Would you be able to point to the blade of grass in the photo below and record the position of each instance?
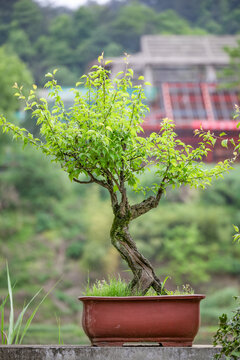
(28, 323)
(3, 334)
(18, 328)
(60, 341)
(11, 315)
(18, 324)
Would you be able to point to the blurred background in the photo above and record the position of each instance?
(53, 229)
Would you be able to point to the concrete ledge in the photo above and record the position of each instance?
(51, 352)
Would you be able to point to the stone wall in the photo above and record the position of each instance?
(106, 353)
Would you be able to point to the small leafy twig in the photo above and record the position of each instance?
(228, 336)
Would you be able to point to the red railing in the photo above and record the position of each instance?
(191, 105)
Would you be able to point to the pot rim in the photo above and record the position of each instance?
(145, 298)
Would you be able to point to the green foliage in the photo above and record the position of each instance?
(28, 17)
(31, 181)
(99, 136)
(44, 36)
(34, 239)
(188, 241)
(75, 250)
(72, 303)
(224, 192)
(169, 22)
(228, 335)
(19, 42)
(231, 74)
(221, 19)
(218, 302)
(12, 70)
(114, 287)
(60, 214)
(118, 287)
(70, 333)
(97, 141)
(236, 237)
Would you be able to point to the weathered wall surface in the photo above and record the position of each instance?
(105, 353)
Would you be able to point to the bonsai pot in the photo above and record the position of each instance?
(169, 320)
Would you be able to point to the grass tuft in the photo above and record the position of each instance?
(118, 287)
(112, 287)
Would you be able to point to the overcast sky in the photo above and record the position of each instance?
(73, 4)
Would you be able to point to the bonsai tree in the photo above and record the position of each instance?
(100, 140)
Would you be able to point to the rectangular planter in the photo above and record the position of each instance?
(169, 320)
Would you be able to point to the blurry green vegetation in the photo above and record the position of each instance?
(12, 70)
(47, 37)
(47, 227)
(48, 231)
(48, 334)
(217, 303)
(231, 74)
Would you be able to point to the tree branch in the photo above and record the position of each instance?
(151, 202)
(110, 175)
(124, 205)
(113, 195)
(110, 108)
(83, 182)
(145, 206)
(114, 199)
(99, 182)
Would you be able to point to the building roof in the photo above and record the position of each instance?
(188, 49)
(183, 49)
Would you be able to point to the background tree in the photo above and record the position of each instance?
(5, 18)
(11, 69)
(28, 17)
(231, 74)
(44, 37)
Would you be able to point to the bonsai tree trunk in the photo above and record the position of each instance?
(144, 276)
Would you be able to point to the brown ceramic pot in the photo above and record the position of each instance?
(170, 320)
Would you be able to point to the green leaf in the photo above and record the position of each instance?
(115, 188)
(100, 58)
(236, 228)
(213, 141)
(141, 77)
(49, 75)
(130, 71)
(224, 143)
(120, 73)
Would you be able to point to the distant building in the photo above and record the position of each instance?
(183, 72)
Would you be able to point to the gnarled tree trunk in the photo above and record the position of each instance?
(144, 276)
